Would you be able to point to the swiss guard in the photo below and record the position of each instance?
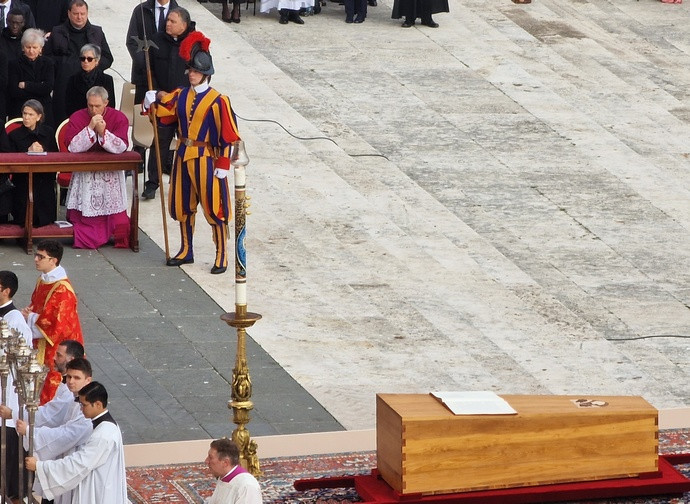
(206, 129)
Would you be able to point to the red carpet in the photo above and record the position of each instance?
(192, 483)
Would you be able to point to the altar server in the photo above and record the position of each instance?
(235, 485)
(57, 441)
(95, 473)
(52, 314)
(15, 320)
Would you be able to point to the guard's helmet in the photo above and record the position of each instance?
(194, 51)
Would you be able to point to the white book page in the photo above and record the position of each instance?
(474, 403)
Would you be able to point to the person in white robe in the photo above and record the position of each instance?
(9, 283)
(95, 473)
(56, 412)
(54, 442)
(235, 485)
(97, 201)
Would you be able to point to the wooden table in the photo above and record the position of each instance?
(54, 162)
(423, 448)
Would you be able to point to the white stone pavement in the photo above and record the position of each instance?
(532, 215)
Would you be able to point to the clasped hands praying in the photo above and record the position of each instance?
(97, 124)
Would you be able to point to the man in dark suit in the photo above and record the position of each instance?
(64, 45)
(11, 49)
(147, 15)
(7, 5)
(169, 73)
(48, 13)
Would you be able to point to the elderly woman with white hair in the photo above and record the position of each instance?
(31, 77)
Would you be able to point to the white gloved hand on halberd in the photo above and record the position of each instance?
(149, 98)
(219, 173)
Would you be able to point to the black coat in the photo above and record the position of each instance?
(146, 12)
(81, 82)
(3, 87)
(11, 46)
(48, 13)
(45, 203)
(167, 66)
(29, 21)
(38, 77)
(414, 9)
(63, 47)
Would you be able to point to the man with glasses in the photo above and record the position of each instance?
(95, 473)
(52, 315)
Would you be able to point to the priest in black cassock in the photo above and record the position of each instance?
(423, 9)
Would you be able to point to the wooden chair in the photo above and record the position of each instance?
(127, 101)
(13, 124)
(142, 129)
(63, 178)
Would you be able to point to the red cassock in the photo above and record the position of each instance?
(58, 320)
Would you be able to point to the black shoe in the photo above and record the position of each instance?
(283, 16)
(348, 20)
(294, 17)
(217, 270)
(149, 193)
(408, 23)
(372, 3)
(179, 261)
(430, 23)
(359, 20)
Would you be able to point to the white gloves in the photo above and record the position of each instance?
(219, 173)
(149, 98)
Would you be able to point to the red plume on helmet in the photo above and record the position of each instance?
(188, 44)
(194, 51)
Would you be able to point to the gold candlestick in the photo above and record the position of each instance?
(241, 319)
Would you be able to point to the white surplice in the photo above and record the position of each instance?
(15, 320)
(56, 411)
(95, 473)
(97, 193)
(52, 443)
(242, 489)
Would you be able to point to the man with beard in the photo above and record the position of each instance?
(57, 439)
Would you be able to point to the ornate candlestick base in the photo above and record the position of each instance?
(241, 403)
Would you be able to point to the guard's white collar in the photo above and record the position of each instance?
(201, 87)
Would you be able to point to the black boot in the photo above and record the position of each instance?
(235, 12)
(429, 22)
(294, 17)
(284, 16)
(225, 13)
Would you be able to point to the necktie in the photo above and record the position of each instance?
(161, 20)
(2, 16)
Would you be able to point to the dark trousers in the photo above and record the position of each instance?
(165, 136)
(355, 7)
(12, 469)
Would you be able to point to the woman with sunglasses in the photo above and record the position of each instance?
(32, 136)
(31, 76)
(89, 76)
